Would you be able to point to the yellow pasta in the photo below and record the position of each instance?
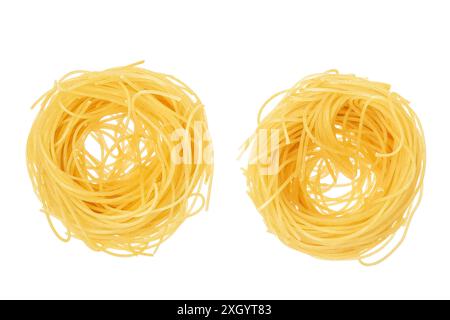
(336, 167)
(101, 158)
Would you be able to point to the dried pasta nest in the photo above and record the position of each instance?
(340, 170)
(101, 158)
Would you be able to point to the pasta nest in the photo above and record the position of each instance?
(101, 156)
(336, 167)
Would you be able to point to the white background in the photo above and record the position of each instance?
(234, 54)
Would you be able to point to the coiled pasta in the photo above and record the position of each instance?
(101, 157)
(336, 167)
